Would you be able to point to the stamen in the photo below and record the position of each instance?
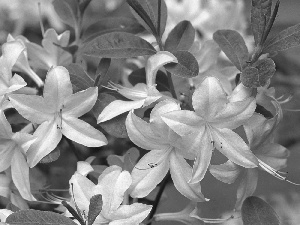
(274, 172)
(41, 19)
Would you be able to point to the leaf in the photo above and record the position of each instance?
(79, 77)
(118, 45)
(259, 73)
(67, 10)
(95, 208)
(146, 13)
(257, 211)
(75, 213)
(112, 24)
(187, 66)
(288, 38)
(52, 156)
(83, 4)
(116, 126)
(260, 16)
(181, 37)
(102, 75)
(233, 45)
(37, 217)
(139, 76)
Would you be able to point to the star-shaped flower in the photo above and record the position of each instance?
(12, 154)
(141, 94)
(57, 112)
(49, 54)
(210, 126)
(167, 153)
(112, 186)
(271, 156)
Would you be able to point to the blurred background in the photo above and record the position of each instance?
(20, 17)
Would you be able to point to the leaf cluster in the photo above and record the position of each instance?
(256, 69)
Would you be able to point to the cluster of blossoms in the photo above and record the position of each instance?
(180, 135)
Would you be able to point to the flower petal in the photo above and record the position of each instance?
(82, 190)
(141, 134)
(118, 107)
(274, 155)
(7, 148)
(16, 83)
(112, 187)
(57, 87)
(209, 98)
(155, 62)
(181, 173)
(20, 175)
(4, 185)
(81, 102)
(202, 146)
(10, 54)
(183, 122)
(227, 172)
(5, 127)
(161, 108)
(82, 132)
(48, 137)
(233, 147)
(32, 107)
(131, 214)
(149, 172)
(235, 114)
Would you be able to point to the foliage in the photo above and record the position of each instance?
(141, 102)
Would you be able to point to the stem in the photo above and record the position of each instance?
(158, 196)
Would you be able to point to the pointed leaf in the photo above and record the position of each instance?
(32, 217)
(288, 38)
(257, 211)
(102, 75)
(67, 10)
(187, 66)
(116, 126)
(181, 37)
(148, 14)
(79, 78)
(139, 76)
(259, 73)
(112, 24)
(118, 45)
(95, 208)
(260, 16)
(233, 45)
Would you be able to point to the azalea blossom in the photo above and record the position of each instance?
(166, 153)
(22, 64)
(271, 156)
(141, 94)
(8, 83)
(210, 126)
(57, 113)
(50, 53)
(12, 151)
(112, 186)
